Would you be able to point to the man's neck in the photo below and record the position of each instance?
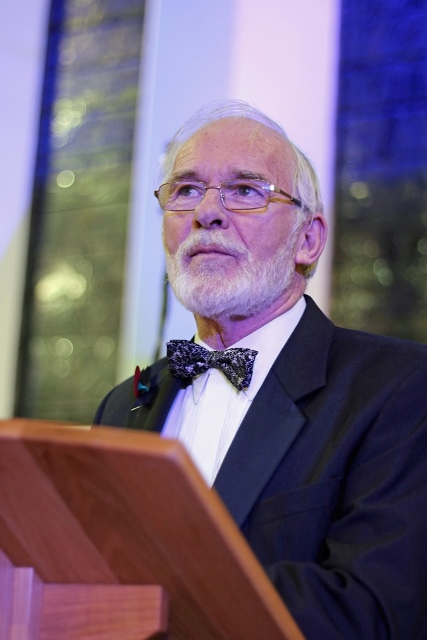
(222, 332)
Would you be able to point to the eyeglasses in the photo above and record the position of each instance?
(236, 195)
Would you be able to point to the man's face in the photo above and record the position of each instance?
(232, 263)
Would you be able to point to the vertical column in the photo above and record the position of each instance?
(22, 49)
(285, 61)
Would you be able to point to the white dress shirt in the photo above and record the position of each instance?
(206, 415)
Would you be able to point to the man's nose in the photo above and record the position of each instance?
(211, 212)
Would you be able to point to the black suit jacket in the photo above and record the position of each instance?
(326, 476)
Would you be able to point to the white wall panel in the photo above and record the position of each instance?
(23, 27)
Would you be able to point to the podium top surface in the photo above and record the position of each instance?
(100, 505)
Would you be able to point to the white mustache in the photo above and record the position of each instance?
(213, 239)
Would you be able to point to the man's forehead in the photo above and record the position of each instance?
(239, 143)
(245, 130)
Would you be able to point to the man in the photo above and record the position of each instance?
(321, 456)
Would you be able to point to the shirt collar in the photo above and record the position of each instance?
(268, 340)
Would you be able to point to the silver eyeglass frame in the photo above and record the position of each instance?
(271, 189)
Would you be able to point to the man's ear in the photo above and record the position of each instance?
(312, 240)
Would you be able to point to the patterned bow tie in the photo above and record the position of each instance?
(187, 359)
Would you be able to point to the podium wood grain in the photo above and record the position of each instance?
(109, 506)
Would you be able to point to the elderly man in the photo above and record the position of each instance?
(314, 436)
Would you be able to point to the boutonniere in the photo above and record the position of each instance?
(143, 385)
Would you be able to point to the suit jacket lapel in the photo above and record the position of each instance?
(264, 437)
(258, 447)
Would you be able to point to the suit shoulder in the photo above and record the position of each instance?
(379, 343)
(377, 358)
(114, 408)
(350, 347)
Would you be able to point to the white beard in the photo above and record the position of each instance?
(214, 293)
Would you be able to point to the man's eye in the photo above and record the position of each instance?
(187, 191)
(245, 190)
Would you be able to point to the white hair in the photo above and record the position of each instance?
(306, 183)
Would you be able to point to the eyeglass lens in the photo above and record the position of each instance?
(236, 195)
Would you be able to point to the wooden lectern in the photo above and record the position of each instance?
(112, 534)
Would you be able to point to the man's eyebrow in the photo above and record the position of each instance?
(243, 174)
(185, 175)
(234, 174)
